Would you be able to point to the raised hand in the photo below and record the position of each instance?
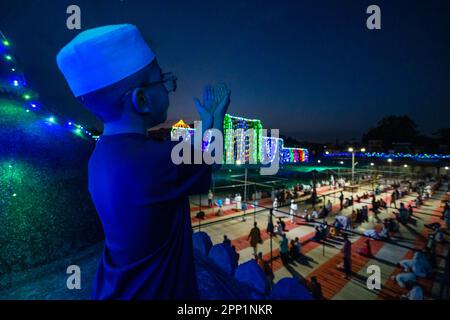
(214, 105)
(206, 107)
(222, 100)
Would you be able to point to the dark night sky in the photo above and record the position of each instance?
(310, 68)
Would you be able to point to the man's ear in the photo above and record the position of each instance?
(140, 101)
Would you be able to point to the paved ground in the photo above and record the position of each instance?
(49, 282)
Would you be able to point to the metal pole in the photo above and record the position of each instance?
(245, 186)
(353, 167)
(271, 255)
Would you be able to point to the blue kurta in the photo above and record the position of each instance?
(142, 200)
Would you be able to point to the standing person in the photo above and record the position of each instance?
(255, 237)
(210, 198)
(141, 196)
(347, 256)
(341, 200)
(284, 249)
(393, 199)
(270, 226)
(293, 210)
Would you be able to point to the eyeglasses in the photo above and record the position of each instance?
(168, 80)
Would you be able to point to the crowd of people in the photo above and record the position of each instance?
(290, 250)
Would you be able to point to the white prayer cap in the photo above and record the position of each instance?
(99, 57)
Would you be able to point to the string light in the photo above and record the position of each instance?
(27, 96)
(400, 155)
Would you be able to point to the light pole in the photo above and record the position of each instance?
(353, 162)
(390, 168)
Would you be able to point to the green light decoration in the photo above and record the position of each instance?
(29, 95)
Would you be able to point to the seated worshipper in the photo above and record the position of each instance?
(322, 212)
(415, 291)
(329, 206)
(346, 203)
(219, 204)
(437, 233)
(337, 227)
(318, 234)
(379, 232)
(418, 266)
(140, 194)
(314, 214)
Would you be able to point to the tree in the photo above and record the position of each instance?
(392, 129)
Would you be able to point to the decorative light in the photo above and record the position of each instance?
(33, 105)
(318, 161)
(350, 149)
(14, 195)
(446, 168)
(389, 160)
(51, 119)
(16, 83)
(405, 165)
(8, 57)
(327, 152)
(26, 96)
(13, 69)
(342, 162)
(363, 149)
(372, 164)
(6, 43)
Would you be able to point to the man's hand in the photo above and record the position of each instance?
(206, 109)
(214, 106)
(222, 95)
